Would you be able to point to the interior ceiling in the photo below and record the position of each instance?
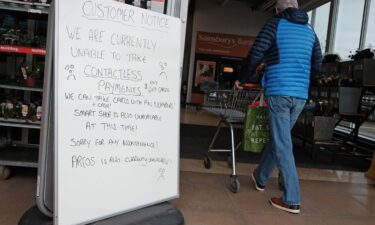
(268, 5)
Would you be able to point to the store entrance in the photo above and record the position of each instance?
(229, 72)
(212, 73)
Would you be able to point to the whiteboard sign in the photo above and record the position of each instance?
(117, 109)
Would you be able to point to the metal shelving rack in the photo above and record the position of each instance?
(22, 6)
(19, 123)
(20, 153)
(13, 86)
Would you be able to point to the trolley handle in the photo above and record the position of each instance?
(250, 86)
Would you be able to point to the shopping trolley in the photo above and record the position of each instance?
(231, 106)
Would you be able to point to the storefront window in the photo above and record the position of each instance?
(321, 24)
(370, 36)
(154, 5)
(348, 31)
(309, 13)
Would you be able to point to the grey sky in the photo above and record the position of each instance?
(348, 26)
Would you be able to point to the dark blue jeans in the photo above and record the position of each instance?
(283, 112)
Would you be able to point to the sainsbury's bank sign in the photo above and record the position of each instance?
(223, 44)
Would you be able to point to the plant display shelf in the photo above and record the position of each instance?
(19, 123)
(20, 152)
(15, 156)
(30, 7)
(17, 86)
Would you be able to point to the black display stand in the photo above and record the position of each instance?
(160, 214)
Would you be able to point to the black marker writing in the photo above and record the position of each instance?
(69, 96)
(90, 126)
(161, 173)
(79, 161)
(136, 143)
(87, 53)
(97, 11)
(96, 35)
(134, 57)
(84, 113)
(106, 88)
(80, 142)
(132, 42)
(109, 126)
(74, 34)
(116, 74)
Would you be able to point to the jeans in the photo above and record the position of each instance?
(283, 112)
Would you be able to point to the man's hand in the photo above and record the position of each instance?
(237, 85)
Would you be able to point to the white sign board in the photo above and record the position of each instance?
(117, 91)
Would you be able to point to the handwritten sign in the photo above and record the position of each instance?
(117, 98)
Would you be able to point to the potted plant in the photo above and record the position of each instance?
(40, 41)
(26, 40)
(8, 110)
(12, 36)
(17, 110)
(32, 112)
(2, 107)
(29, 74)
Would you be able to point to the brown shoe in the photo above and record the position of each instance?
(279, 203)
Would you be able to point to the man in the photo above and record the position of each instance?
(291, 51)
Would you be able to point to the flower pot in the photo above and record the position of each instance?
(33, 118)
(4, 172)
(30, 82)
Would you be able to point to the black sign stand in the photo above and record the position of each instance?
(163, 213)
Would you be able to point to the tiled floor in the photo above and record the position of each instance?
(336, 198)
(17, 195)
(200, 117)
(328, 197)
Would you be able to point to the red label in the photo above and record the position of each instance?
(22, 50)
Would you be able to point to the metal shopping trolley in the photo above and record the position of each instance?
(231, 106)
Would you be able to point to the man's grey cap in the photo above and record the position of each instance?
(284, 4)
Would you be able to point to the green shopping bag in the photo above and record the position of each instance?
(256, 129)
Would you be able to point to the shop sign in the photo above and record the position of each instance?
(223, 44)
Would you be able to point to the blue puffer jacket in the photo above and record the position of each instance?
(291, 51)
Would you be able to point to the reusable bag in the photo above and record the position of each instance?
(256, 129)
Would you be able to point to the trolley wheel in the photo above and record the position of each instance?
(4, 172)
(234, 184)
(207, 161)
